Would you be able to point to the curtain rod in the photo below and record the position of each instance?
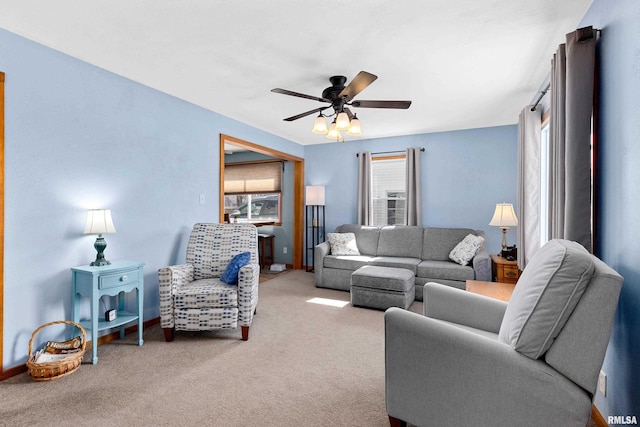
(542, 94)
(390, 152)
(582, 34)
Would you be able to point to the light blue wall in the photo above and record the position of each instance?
(283, 233)
(78, 137)
(619, 203)
(464, 174)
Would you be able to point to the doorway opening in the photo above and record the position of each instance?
(298, 188)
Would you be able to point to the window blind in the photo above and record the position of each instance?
(253, 178)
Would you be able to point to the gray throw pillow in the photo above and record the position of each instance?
(343, 244)
(544, 297)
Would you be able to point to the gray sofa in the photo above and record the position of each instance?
(424, 251)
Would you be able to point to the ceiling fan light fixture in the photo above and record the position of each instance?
(339, 97)
(354, 126)
(320, 125)
(333, 133)
(342, 121)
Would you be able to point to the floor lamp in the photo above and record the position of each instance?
(314, 221)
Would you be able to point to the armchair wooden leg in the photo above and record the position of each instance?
(168, 334)
(245, 333)
(395, 422)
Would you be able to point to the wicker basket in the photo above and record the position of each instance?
(48, 371)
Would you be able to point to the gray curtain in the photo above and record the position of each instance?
(528, 210)
(572, 82)
(364, 188)
(557, 144)
(413, 205)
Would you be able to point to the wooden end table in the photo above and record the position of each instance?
(497, 290)
(265, 256)
(504, 270)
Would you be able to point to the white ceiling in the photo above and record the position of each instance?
(463, 63)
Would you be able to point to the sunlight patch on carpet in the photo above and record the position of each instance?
(329, 302)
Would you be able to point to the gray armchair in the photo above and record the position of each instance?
(473, 360)
(192, 296)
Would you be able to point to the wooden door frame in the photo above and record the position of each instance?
(2, 373)
(298, 189)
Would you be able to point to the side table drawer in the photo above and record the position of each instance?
(510, 271)
(115, 280)
(504, 271)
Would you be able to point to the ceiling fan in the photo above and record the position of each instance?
(341, 98)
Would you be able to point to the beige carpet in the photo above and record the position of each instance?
(305, 364)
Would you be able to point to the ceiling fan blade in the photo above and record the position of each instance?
(357, 85)
(308, 113)
(403, 105)
(299, 95)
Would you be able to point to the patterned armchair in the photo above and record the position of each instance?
(192, 296)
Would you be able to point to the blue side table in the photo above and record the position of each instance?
(118, 278)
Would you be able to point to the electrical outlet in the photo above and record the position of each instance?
(602, 383)
(284, 250)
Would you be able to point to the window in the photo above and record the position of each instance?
(395, 207)
(253, 207)
(252, 191)
(388, 193)
(544, 184)
(546, 169)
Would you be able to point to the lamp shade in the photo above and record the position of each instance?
(333, 132)
(504, 216)
(342, 121)
(354, 127)
(314, 195)
(320, 125)
(99, 222)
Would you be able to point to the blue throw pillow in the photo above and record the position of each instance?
(230, 275)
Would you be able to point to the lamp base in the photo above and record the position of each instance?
(504, 238)
(100, 246)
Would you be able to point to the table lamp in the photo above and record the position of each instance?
(99, 222)
(504, 217)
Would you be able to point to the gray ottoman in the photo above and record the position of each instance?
(382, 287)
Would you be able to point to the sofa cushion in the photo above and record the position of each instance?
(397, 262)
(343, 244)
(402, 241)
(347, 262)
(448, 270)
(366, 237)
(546, 294)
(464, 251)
(438, 242)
